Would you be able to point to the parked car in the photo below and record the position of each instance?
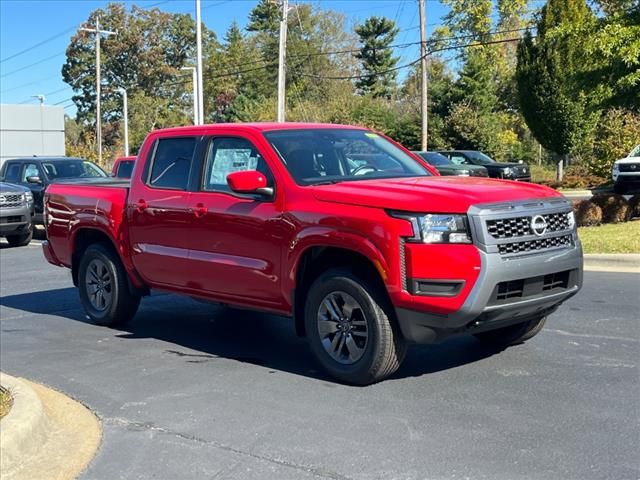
(447, 167)
(16, 211)
(122, 167)
(36, 173)
(504, 170)
(367, 255)
(626, 172)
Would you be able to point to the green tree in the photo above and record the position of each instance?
(376, 35)
(557, 110)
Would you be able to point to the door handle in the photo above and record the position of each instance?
(199, 210)
(141, 205)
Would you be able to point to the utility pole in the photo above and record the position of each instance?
(41, 100)
(125, 115)
(424, 84)
(200, 115)
(98, 33)
(282, 56)
(194, 81)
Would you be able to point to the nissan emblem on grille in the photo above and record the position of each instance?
(538, 225)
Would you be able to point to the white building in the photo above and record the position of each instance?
(28, 130)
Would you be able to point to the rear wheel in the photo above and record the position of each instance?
(20, 240)
(104, 287)
(350, 330)
(513, 334)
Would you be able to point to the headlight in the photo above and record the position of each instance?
(507, 172)
(437, 228)
(616, 167)
(463, 173)
(479, 173)
(28, 197)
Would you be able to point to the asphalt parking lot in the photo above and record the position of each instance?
(193, 391)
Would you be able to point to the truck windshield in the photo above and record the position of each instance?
(315, 156)
(72, 169)
(481, 158)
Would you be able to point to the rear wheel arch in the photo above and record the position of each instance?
(315, 260)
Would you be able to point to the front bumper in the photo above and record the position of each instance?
(15, 220)
(508, 276)
(480, 312)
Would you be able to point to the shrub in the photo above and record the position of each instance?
(634, 207)
(614, 207)
(587, 213)
(615, 136)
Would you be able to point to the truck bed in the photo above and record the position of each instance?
(95, 203)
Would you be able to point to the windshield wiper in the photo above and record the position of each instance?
(326, 182)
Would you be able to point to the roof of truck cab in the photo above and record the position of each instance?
(257, 127)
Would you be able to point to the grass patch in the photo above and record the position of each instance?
(5, 402)
(611, 238)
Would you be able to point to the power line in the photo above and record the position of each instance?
(28, 49)
(32, 65)
(410, 64)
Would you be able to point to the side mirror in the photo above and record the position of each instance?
(34, 179)
(249, 181)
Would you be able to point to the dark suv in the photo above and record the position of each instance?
(505, 170)
(36, 173)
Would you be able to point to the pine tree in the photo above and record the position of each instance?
(376, 35)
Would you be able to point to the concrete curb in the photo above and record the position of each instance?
(619, 262)
(24, 429)
(46, 434)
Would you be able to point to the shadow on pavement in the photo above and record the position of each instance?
(208, 332)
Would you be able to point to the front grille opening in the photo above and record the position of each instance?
(535, 245)
(521, 226)
(556, 280)
(12, 219)
(532, 287)
(512, 289)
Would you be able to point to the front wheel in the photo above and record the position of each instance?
(20, 240)
(513, 334)
(104, 287)
(350, 330)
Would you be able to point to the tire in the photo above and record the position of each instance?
(365, 346)
(619, 188)
(20, 240)
(513, 334)
(104, 287)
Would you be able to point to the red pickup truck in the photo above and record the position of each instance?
(358, 240)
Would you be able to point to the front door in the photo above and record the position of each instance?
(160, 213)
(236, 240)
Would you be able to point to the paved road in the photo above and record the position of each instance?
(191, 391)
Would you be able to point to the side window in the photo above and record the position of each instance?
(228, 155)
(172, 163)
(30, 170)
(12, 173)
(459, 160)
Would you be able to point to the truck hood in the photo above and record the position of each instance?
(436, 194)
(11, 188)
(628, 160)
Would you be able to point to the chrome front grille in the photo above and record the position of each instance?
(8, 200)
(536, 245)
(521, 226)
(525, 227)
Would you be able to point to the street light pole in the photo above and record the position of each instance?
(425, 79)
(194, 81)
(125, 115)
(282, 57)
(98, 33)
(200, 115)
(41, 100)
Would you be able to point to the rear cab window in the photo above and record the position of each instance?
(171, 163)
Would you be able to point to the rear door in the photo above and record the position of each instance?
(159, 211)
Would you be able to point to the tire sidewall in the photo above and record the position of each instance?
(107, 316)
(333, 281)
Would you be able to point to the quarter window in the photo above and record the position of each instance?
(172, 163)
(13, 172)
(229, 155)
